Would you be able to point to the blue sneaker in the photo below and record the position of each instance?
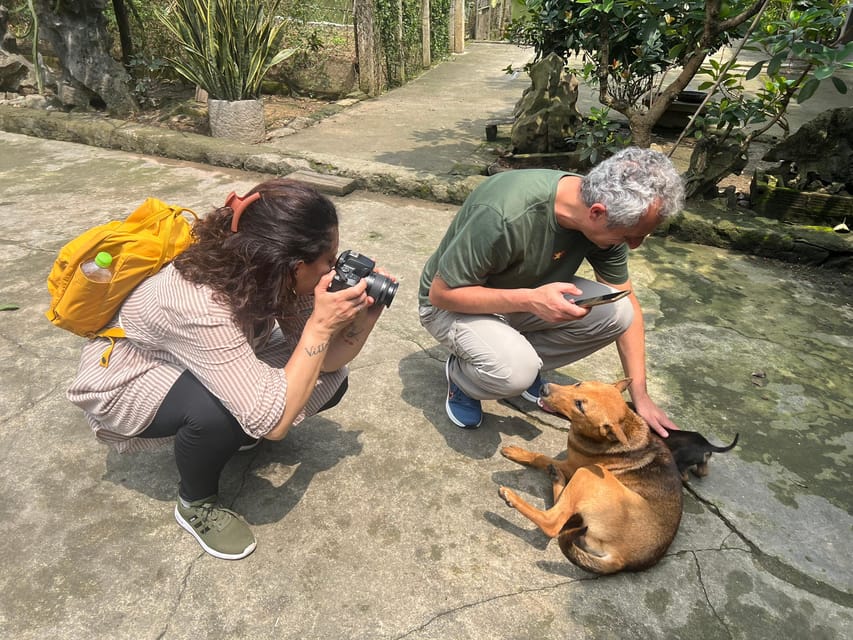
(531, 394)
(463, 411)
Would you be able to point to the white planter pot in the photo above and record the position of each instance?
(237, 120)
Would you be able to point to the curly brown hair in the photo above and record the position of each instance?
(254, 270)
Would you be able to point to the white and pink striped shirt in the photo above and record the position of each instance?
(173, 325)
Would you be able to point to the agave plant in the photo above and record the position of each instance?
(226, 47)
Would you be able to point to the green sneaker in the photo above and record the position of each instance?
(220, 531)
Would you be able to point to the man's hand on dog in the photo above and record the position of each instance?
(654, 416)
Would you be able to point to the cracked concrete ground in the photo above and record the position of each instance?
(380, 519)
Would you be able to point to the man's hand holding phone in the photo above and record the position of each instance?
(594, 301)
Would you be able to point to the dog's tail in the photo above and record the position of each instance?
(728, 448)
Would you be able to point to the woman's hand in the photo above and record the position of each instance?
(347, 343)
(336, 309)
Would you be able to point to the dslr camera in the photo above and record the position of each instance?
(351, 267)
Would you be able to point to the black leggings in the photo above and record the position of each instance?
(206, 434)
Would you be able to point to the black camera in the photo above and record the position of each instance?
(352, 267)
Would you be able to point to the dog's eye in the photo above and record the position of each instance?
(579, 405)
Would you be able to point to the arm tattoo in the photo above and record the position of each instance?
(317, 349)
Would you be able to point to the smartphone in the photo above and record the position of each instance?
(594, 301)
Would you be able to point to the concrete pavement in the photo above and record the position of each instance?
(380, 519)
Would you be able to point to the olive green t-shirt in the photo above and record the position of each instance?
(506, 236)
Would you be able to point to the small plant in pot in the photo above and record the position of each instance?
(226, 47)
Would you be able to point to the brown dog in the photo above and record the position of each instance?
(617, 496)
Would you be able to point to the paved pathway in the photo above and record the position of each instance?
(381, 519)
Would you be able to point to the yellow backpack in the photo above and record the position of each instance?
(140, 246)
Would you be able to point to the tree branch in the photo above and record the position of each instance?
(742, 17)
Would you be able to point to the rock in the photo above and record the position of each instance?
(546, 114)
(15, 72)
(319, 75)
(821, 150)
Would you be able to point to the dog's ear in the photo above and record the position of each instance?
(623, 384)
(613, 432)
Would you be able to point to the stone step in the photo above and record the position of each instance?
(330, 185)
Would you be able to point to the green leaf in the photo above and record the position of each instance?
(823, 73)
(840, 85)
(754, 70)
(9, 307)
(807, 90)
(776, 62)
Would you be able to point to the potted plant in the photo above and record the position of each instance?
(226, 47)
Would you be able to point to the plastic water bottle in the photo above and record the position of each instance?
(98, 270)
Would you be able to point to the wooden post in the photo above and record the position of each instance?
(368, 48)
(426, 36)
(457, 26)
(400, 43)
(506, 16)
(476, 30)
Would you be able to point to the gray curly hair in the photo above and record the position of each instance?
(629, 182)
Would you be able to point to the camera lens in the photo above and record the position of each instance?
(381, 289)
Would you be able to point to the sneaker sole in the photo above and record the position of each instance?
(217, 554)
(447, 402)
(530, 397)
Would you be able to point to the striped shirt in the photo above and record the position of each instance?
(173, 325)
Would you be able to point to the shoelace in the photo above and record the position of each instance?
(210, 517)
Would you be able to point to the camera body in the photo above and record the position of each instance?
(351, 267)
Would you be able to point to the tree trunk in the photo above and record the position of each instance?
(426, 36)
(78, 36)
(401, 47)
(123, 24)
(368, 48)
(457, 26)
(641, 130)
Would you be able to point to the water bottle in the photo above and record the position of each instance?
(98, 270)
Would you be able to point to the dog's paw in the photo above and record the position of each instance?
(516, 454)
(507, 495)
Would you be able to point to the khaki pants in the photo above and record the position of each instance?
(498, 356)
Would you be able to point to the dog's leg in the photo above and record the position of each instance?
(549, 521)
(527, 458)
(701, 469)
(558, 481)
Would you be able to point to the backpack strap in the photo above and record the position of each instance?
(111, 334)
(114, 333)
(140, 220)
